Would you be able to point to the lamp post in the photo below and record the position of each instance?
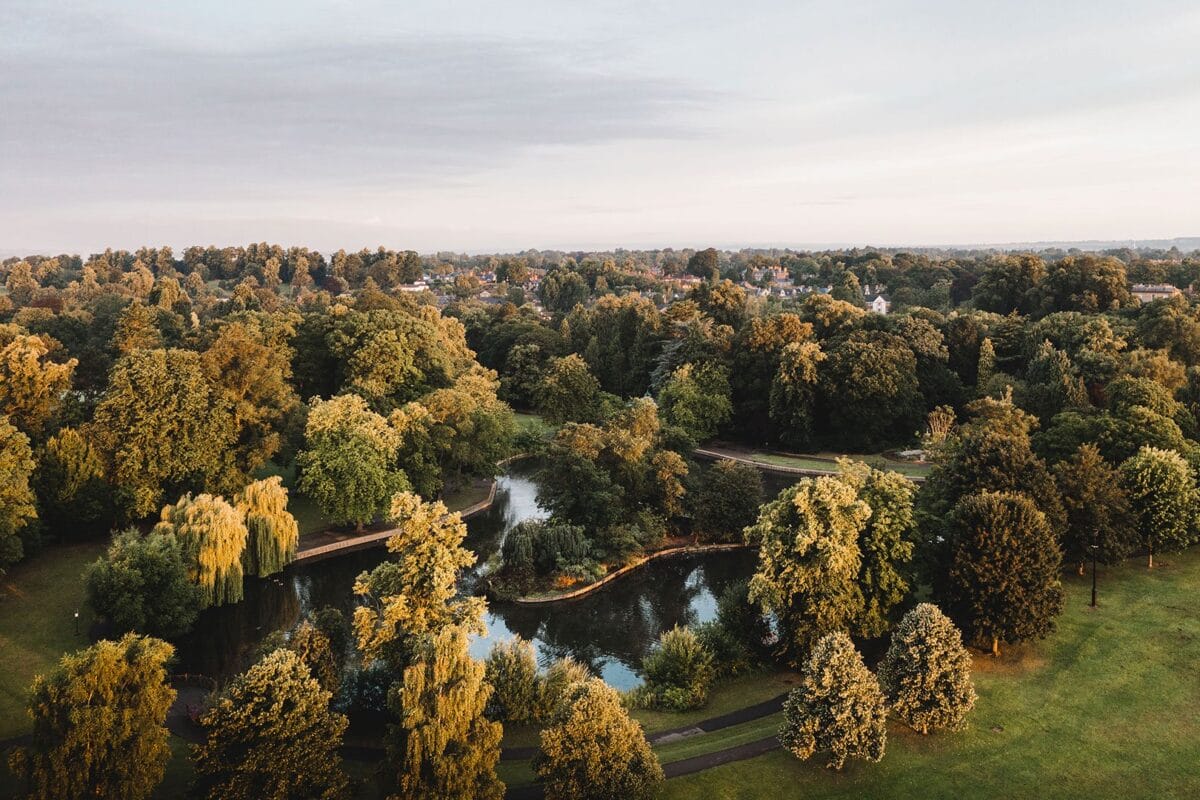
(1095, 548)
(76, 623)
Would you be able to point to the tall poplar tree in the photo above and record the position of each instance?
(16, 498)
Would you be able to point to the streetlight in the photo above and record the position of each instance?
(76, 623)
(1095, 548)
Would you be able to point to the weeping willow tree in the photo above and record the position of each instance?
(213, 537)
(443, 745)
(273, 532)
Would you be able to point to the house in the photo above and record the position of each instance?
(879, 305)
(1147, 292)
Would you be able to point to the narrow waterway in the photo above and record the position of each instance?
(610, 630)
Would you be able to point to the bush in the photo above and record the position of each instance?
(141, 584)
(546, 548)
(926, 673)
(679, 672)
(511, 669)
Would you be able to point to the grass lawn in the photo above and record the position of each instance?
(1109, 706)
(308, 515)
(534, 422)
(38, 600)
(879, 462)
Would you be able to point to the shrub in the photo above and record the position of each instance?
(511, 669)
(838, 707)
(679, 671)
(926, 673)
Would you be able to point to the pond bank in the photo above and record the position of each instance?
(584, 591)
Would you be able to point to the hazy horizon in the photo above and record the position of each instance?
(480, 127)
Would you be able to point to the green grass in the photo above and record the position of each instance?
(308, 515)
(38, 600)
(803, 462)
(727, 696)
(534, 422)
(1109, 706)
(721, 739)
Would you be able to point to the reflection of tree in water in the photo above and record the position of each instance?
(623, 620)
(225, 637)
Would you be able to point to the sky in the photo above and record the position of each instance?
(499, 126)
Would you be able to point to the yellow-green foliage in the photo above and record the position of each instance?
(926, 673)
(560, 676)
(837, 709)
(418, 592)
(98, 723)
(16, 498)
(273, 532)
(444, 746)
(213, 536)
(271, 736)
(31, 385)
(313, 646)
(592, 750)
(512, 671)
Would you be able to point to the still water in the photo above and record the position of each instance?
(610, 630)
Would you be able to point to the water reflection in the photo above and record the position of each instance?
(610, 630)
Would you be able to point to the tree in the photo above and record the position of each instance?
(886, 542)
(511, 670)
(347, 464)
(809, 562)
(16, 498)
(142, 585)
(31, 385)
(417, 594)
(1052, 384)
(838, 707)
(705, 264)
(316, 650)
(926, 672)
(679, 672)
(1097, 509)
(793, 392)
(249, 364)
(870, 390)
(212, 535)
(161, 428)
(99, 723)
(568, 392)
(72, 494)
(1010, 283)
(271, 735)
(1162, 495)
(1003, 584)
(592, 750)
(697, 400)
(443, 746)
(728, 501)
(272, 531)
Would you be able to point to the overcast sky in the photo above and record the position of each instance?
(506, 125)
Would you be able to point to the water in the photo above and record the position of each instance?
(610, 630)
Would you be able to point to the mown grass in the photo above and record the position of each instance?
(38, 601)
(1109, 706)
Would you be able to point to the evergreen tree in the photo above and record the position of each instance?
(987, 366)
(838, 707)
(592, 750)
(273, 532)
(212, 535)
(99, 724)
(443, 746)
(926, 673)
(1162, 494)
(1003, 584)
(271, 736)
(142, 585)
(1097, 509)
(809, 562)
(347, 466)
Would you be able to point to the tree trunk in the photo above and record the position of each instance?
(1082, 568)
(358, 527)
(996, 646)
(1151, 558)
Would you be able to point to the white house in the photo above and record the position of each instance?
(879, 305)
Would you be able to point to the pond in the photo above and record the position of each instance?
(610, 630)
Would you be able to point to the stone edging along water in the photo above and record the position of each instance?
(583, 591)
